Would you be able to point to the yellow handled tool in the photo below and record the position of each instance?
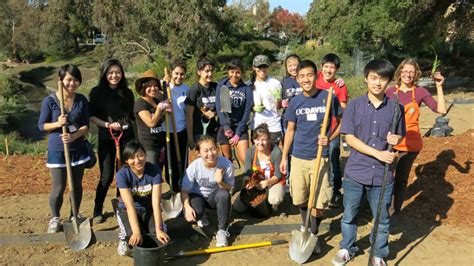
(230, 248)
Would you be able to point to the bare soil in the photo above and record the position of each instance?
(435, 226)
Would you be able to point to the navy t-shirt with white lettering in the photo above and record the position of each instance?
(307, 112)
(141, 188)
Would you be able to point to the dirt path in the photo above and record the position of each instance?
(421, 242)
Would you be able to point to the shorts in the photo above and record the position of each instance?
(300, 183)
(223, 139)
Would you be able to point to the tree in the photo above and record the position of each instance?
(384, 25)
(178, 29)
(286, 25)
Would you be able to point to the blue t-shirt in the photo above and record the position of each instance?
(290, 88)
(141, 188)
(308, 113)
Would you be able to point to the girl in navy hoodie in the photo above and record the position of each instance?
(233, 130)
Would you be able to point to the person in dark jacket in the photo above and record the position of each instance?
(111, 109)
(233, 129)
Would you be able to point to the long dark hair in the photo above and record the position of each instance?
(122, 88)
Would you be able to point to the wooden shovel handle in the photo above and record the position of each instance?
(67, 155)
(315, 179)
(173, 124)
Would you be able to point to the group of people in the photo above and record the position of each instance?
(210, 116)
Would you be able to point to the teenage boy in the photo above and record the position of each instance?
(327, 79)
(366, 123)
(305, 115)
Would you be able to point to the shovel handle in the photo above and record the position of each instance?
(315, 179)
(230, 248)
(173, 124)
(67, 157)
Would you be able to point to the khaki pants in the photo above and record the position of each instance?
(302, 171)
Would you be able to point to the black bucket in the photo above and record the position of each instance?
(150, 252)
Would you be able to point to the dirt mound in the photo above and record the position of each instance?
(441, 183)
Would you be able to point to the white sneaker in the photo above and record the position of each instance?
(221, 238)
(203, 222)
(341, 258)
(124, 249)
(54, 225)
(376, 261)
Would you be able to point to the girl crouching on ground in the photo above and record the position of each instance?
(262, 164)
(206, 184)
(139, 211)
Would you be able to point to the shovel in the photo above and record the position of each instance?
(303, 242)
(77, 231)
(173, 206)
(378, 215)
(226, 108)
(118, 163)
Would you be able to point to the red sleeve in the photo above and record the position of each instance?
(342, 97)
(425, 97)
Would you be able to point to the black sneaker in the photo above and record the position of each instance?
(336, 200)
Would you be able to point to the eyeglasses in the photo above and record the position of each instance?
(411, 73)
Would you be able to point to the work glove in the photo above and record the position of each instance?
(259, 108)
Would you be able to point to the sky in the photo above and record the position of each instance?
(299, 6)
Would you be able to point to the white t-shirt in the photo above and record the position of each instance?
(263, 94)
(201, 180)
(178, 95)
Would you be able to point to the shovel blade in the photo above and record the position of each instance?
(302, 245)
(171, 208)
(78, 239)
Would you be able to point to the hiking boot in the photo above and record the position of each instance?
(376, 261)
(341, 258)
(317, 248)
(221, 238)
(124, 249)
(54, 225)
(98, 219)
(203, 222)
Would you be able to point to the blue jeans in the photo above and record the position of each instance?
(335, 175)
(353, 195)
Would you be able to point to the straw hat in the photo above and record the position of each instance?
(147, 75)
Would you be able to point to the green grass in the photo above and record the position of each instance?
(19, 146)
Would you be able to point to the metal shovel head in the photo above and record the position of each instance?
(78, 239)
(224, 98)
(172, 207)
(302, 245)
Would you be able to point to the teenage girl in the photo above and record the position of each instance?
(267, 97)
(150, 109)
(234, 126)
(201, 115)
(111, 109)
(76, 121)
(207, 184)
(178, 97)
(139, 210)
(411, 96)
